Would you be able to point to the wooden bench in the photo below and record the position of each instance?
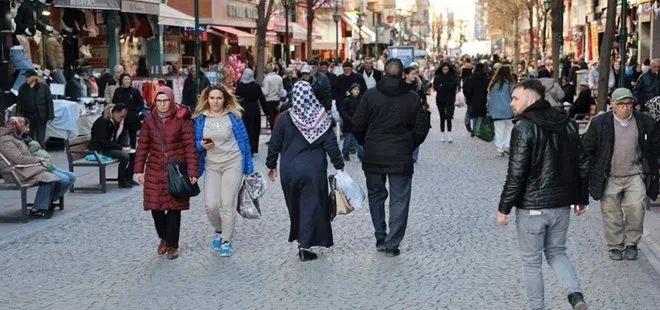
(14, 183)
(76, 149)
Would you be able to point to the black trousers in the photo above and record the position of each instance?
(272, 112)
(38, 132)
(446, 110)
(125, 160)
(400, 190)
(168, 226)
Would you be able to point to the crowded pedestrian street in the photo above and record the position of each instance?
(453, 256)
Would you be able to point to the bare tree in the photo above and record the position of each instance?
(505, 16)
(264, 11)
(311, 6)
(531, 4)
(557, 34)
(605, 60)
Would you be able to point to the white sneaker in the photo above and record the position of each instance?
(449, 138)
(442, 137)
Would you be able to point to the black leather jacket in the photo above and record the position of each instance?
(599, 145)
(547, 165)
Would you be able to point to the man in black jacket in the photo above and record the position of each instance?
(110, 138)
(623, 147)
(547, 173)
(35, 103)
(344, 82)
(647, 86)
(390, 123)
(370, 75)
(321, 92)
(190, 92)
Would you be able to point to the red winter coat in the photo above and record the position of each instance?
(179, 140)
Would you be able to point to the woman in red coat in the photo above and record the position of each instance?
(172, 122)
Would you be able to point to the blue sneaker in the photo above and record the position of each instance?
(217, 241)
(225, 249)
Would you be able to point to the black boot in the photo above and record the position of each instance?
(577, 301)
(380, 245)
(306, 255)
(468, 127)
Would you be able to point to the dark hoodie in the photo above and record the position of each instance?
(475, 90)
(547, 166)
(390, 123)
(445, 85)
(347, 109)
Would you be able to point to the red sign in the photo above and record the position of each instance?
(389, 19)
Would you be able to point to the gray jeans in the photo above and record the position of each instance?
(539, 234)
(400, 188)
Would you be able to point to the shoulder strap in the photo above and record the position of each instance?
(161, 139)
(5, 160)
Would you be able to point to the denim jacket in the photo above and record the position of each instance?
(499, 101)
(241, 139)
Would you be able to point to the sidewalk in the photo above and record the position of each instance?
(651, 238)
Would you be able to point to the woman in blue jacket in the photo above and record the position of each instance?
(225, 155)
(499, 107)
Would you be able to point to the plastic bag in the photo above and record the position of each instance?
(460, 99)
(350, 189)
(248, 207)
(335, 112)
(255, 184)
(484, 128)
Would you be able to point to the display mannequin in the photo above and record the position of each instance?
(27, 23)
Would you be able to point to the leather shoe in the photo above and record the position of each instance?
(127, 185)
(631, 253)
(616, 254)
(306, 255)
(380, 245)
(162, 247)
(172, 253)
(392, 252)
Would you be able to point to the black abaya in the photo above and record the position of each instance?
(303, 174)
(251, 97)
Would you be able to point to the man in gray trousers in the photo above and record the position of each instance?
(547, 173)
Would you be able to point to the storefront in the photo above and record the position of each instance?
(174, 22)
(141, 37)
(325, 46)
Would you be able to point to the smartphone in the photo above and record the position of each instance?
(207, 140)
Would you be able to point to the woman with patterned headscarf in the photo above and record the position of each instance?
(303, 138)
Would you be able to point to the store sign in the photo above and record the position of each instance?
(139, 7)
(242, 11)
(89, 4)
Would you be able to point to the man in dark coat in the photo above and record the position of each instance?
(324, 67)
(345, 81)
(623, 147)
(319, 76)
(35, 103)
(370, 75)
(647, 86)
(110, 138)
(321, 92)
(390, 123)
(189, 95)
(547, 173)
(476, 92)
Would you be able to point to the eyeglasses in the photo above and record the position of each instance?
(622, 104)
(158, 101)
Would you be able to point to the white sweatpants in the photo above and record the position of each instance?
(221, 189)
(503, 130)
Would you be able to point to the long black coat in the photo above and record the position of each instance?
(343, 84)
(189, 96)
(390, 123)
(43, 112)
(599, 146)
(476, 94)
(346, 110)
(251, 97)
(303, 174)
(134, 102)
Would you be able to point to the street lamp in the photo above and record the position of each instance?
(287, 4)
(360, 23)
(336, 17)
(546, 8)
(623, 38)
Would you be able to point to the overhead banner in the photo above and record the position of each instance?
(113, 5)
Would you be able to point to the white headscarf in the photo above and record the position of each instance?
(307, 113)
(247, 76)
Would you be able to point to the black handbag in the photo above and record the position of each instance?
(179, 184)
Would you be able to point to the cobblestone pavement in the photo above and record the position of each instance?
(454, 255)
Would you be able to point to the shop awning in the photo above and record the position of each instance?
(327, 30)
(243, 38)
(149, 7)
(113, 5)
(172, 17)
(368, 35)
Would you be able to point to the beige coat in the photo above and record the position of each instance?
(55, 53)
(17, 153)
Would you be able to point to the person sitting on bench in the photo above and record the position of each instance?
(110, 138)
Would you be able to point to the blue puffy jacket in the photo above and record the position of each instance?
(241, 139)
(499, 101)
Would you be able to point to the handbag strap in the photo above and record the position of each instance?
(5, 160)
(161, 139)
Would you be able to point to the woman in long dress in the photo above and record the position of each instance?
(303, 138)
(251, 97)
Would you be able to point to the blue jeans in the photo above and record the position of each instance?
(400, 188)
(415, 154)
(21, 64)
(540, 234)
(351, 143)
(44, 196)
(66, 181)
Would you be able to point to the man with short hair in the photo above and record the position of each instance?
(623, 147)
(547, 174)
(370, 75)
(321, 77)
(113, 83)
(35, 103)
(647, 86)
(324, 67)
(390, 123)
(273, 89)
(345, 81)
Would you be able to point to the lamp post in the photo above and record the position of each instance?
(198, 48)
(360, 23)
(623, 38)
(336, 17)
(287, 4)
(546, 9)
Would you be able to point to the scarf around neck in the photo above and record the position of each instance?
(307, 113)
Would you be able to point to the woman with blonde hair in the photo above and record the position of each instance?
(224, 152)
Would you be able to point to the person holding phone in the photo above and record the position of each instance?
(110, 138)
(224, 153)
